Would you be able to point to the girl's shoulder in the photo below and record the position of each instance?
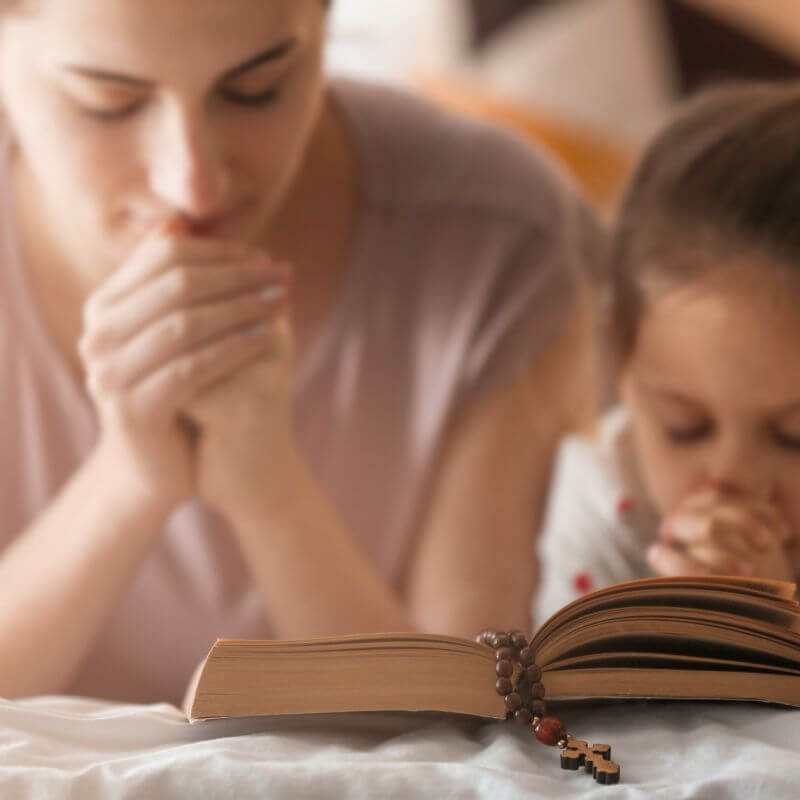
(599, 472)
(416, 152)
(600, 454)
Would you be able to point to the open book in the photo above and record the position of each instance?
(689, 638)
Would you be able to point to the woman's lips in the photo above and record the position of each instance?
(218, 225)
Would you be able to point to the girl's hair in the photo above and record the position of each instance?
(718, 187)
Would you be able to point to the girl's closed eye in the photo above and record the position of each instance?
(688, 434)
(787, 439)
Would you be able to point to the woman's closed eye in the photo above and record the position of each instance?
(112, 113)
(123, 111)
(253, 99)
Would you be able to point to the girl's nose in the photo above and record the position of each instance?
(740, 468)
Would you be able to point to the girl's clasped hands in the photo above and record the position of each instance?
(718, 530)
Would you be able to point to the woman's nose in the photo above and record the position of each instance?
(188, 172)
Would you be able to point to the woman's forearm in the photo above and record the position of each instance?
(313, 577)
(62, 577)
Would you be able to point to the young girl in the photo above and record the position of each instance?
(698, 471)
(262, 337)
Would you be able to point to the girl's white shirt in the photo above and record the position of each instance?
(599, 522)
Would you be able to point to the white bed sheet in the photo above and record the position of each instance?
(57, 747)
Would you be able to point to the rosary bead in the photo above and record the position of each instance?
(523, 716)
(550, 731)
(503, 686)
(537, 691)
(518, 640)
(538, 708)
(506, 653)
(483, 637)
(513, 701)
(524, 691)
(504, 668)
(502, 640)
(532, 674)
(526, 657)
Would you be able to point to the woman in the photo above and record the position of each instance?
(263, 346)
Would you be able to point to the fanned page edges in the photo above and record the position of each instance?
(720, 638)
(690, 638)
(375, 672)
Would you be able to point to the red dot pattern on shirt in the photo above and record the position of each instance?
(582, 583)
(624, 505)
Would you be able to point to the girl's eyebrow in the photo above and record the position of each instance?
(669, 394)
(273, 54)
(792, 408)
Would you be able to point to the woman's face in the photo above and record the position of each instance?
(127, 112)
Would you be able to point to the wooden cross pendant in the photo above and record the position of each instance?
(595, 759)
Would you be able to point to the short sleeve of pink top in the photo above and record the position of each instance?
(462, 270)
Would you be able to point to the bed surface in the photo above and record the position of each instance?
(57, 747)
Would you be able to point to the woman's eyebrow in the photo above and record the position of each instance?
(273, 54)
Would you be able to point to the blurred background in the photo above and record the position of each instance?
(590, 79)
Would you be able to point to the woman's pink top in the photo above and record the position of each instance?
(463, 270)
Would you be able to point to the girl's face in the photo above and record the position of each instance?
(127, 112)
(713, 388)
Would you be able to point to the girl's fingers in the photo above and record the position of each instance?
(701, 560)
(720, 561)
(766, 520)
(175, 384)
(178, 287)
(670, 562)
(182, 332)
(727, 528)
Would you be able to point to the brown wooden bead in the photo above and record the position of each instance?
(538, 708)
(537, 691)
(526, 657)
(519, 640)
(532, 674)
(513, 701)
(524, 691)
(506, 653)
(502, 640)
(549, 731)
(523, 717)
(503, 686)
(504, 668)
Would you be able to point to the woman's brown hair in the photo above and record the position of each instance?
(720, 184)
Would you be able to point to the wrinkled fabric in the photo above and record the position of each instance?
(75, 749)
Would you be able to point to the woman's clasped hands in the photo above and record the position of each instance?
(187, 350)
